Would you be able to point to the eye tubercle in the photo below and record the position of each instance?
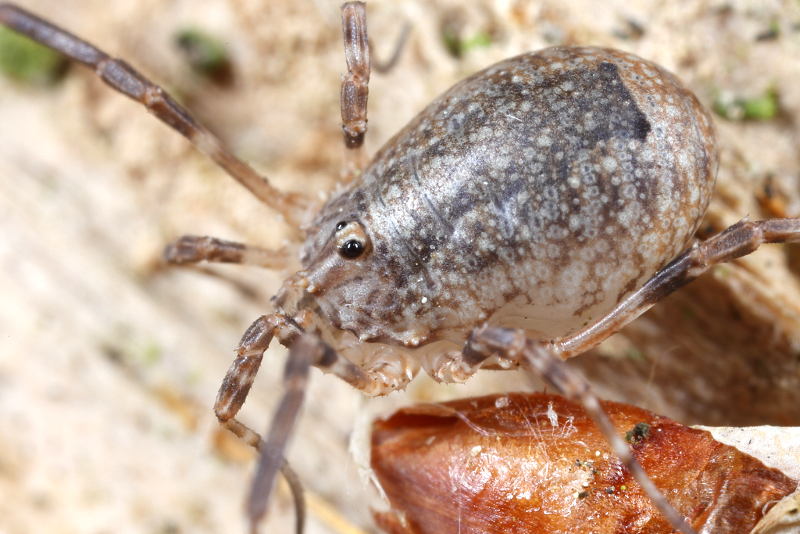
(352, 241)
(352, 249)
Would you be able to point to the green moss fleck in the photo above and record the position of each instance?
(26, 61)
(151, 353)
(206, 55)
(458, 46)
(759, 108)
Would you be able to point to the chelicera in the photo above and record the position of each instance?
(524, 216)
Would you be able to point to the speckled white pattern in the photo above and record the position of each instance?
(537, 193)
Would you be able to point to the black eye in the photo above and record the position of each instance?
(351, 249)
(340, 225)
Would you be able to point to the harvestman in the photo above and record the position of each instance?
(306, 330)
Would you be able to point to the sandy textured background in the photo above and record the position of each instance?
(109, 362)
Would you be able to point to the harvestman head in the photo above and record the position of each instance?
(344, 312)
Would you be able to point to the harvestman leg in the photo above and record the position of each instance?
(355, 86)
(547, 358)
(256, 340)
(194, 249)
(739, 240)
(383, 67)
(125, 79)
(540, 358)
(305, 351)
(235, 388)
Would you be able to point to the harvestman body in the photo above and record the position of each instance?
(520, 219)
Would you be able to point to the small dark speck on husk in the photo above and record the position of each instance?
(639, 433)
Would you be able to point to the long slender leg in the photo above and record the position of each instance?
(255, 341)
(125, 79)
(302, 355)
(235, 387)
(194, 249)
(512, 348)
(514, 345)
(355, 85)
(239, 378)
(253, 439)
(739, 240)
(383, 67)
(305, 350)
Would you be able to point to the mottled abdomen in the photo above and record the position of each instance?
(539, 192)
